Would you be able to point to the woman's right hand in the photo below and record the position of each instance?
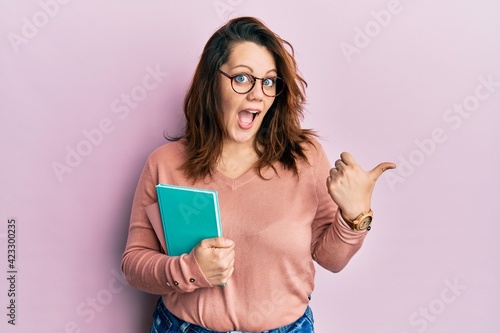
(216, 259)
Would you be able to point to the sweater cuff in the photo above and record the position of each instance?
(345, 232)
(185, 275)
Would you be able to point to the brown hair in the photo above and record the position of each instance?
(280, 136)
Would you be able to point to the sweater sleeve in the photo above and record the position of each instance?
(334, 243)
(144, 264)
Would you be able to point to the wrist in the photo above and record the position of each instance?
(353, 213)
(361, 222)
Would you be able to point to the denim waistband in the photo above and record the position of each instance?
(162, 312)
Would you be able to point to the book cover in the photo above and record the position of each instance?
(188, 216)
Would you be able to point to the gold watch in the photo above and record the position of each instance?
(361, 222)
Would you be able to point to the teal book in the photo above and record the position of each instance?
(188, 216)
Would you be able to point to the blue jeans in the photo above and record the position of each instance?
(166, 322)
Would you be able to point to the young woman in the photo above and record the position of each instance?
(282, 205)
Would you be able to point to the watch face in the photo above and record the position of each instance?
(365, 223)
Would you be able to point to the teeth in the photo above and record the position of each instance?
(254, 113)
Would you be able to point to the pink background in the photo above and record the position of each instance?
(386, 81)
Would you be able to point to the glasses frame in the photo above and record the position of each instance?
(231, 77)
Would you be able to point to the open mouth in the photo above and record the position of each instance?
(247, 117)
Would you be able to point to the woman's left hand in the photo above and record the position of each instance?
(351, 187)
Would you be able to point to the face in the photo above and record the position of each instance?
(243, 113)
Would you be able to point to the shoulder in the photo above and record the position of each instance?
(170, 149)
(171, 153)
(314, 152)
(317, 164)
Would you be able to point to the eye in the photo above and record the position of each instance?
(269, 82)
(242, 78)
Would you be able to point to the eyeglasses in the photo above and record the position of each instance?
(243, 83)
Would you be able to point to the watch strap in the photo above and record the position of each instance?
(361, 222)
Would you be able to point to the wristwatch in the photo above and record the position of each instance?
(361, 222)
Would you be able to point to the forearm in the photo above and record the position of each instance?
(156, 273)
(337, 244)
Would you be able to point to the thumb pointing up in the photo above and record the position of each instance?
(351, 187)
(379, 169)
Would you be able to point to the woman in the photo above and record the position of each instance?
(243, 139)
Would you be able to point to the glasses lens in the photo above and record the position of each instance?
(242, 83)
(272, 86)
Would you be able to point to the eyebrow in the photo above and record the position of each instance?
(251, 70)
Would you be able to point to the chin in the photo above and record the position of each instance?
(244, 140)
(243, 137)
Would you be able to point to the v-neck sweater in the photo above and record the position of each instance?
(280, 223)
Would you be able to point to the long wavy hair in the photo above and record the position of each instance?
(280, 137)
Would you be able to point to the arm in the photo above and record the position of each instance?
(347, 193)
(144, 265)
(334, 243)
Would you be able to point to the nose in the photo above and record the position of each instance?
(257, 93)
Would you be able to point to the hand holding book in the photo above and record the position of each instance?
(215, 256)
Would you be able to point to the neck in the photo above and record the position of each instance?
(237, 158)
(233, 149)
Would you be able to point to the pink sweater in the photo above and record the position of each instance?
(279, 226)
